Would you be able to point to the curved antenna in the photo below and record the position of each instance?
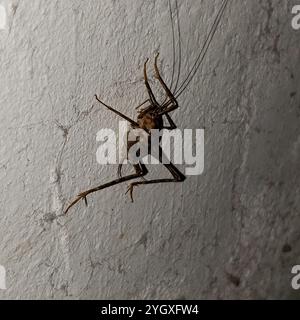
(174, 48)
(179, 45)
(173, 44)
(203, 51)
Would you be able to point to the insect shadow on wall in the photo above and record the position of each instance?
(154, 114)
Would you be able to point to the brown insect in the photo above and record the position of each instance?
(154, 114)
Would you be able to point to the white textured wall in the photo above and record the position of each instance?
(241, 217)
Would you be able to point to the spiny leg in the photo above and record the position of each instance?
(154, 103)
(172, 99)
(140, 169)
(120, 172)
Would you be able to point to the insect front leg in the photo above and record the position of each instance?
(154, 103)
(135, 124)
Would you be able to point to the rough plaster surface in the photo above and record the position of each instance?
(232, 232)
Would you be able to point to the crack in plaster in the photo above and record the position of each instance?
(58, 199)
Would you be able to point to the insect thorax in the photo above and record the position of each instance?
(149, 121)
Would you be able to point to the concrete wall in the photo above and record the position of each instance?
(232, 232)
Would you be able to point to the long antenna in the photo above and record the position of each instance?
(203, 51)
(179, 45)
(173, 44)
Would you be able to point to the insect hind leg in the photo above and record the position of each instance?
(140, 171)
(178, 176)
